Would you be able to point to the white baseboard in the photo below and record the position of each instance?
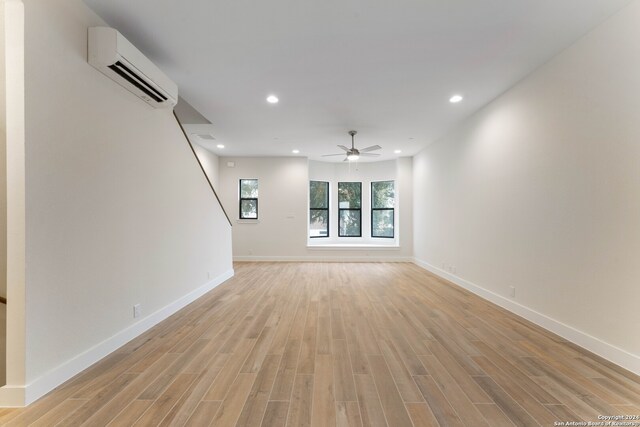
(22, 396)
(603, 349)
(308, 258)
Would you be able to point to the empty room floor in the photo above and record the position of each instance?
(339, 344)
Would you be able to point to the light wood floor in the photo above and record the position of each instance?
(339, 344)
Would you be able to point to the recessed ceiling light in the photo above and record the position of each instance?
(455, 99)
(295, 151)
(272, 99)
(220, 145)
(397, 151)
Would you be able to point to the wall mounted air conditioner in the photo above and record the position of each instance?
(119, 60)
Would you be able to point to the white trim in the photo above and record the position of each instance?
(62, 373)
(309, 258)
(603, 349)
(351, 247)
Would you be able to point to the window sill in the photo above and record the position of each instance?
(350, 247)
(247, 221)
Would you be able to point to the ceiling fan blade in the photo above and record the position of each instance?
(368, 154)
(329, 155)
(343, 147)
(372, 148)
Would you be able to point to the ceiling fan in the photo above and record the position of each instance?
(353, 153)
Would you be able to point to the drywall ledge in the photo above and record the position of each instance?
(610, 352)
(67, 370)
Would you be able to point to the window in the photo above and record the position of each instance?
(382, 209)
(349, 209)
(248, 199)
(318, 209)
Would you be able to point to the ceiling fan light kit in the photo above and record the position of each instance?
(353, 153)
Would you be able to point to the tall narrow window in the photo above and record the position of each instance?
(318, 209)
(349, 209)
(248, 199)
(382, 209)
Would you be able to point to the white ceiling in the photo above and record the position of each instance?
(385, 68)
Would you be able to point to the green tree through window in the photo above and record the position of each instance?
(382, 209)
(349, 209)
(248, 199)
(318, 209)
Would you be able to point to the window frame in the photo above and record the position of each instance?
(393, 211)
(349, 209)
(241, 199)
(327, 209)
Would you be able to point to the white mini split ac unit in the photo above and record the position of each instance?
(119, 60)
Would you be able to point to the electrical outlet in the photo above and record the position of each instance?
(136, 310)
(512, 291)
(455, 270)
(209, 275)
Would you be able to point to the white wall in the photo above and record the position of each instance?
(118, 212)
(281, 231)
(209, 162)
(3, 162)
(3, 201)
(541, 191)
(13, 393)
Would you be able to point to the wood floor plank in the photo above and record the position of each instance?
(392, 404)
(107, 393)
(159, 409)
(499, 363)
(306, 361)
(287, 371)
(462, 377)
(561, 412)
(407, 387)
(369, 401)
(256, 403)
(301, 400)
(110, 409)
(129, 415)
(60, 412)
(231, 407)
(189, 401)
(339, 343)
(520, 392)
(421, 415)
(345, 389)
(467, 412)
(506, 403)
(276, 414)
(324, 411)
(440, 406)
(348, 414)
(221, 385)
(494, 416)
(204, 413)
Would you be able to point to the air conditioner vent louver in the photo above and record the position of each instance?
(132, 78)
(118, 59)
